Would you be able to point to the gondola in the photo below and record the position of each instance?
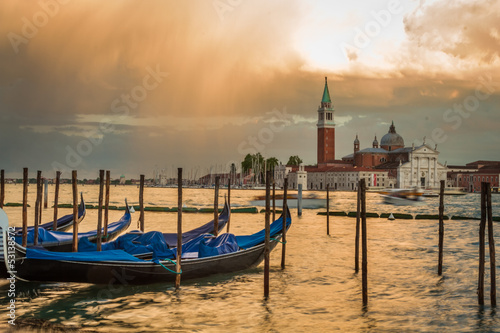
(63, 223)
(63, 241)
(119, 267)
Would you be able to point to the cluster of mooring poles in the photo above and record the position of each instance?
(486, 217)
(42, 188)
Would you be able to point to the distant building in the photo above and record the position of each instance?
(338, 178)
(122, 180)
(471, 175)
(326, 129)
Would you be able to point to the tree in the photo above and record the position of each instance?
(294, 160)
(247, 163)
(255, 163)
(271, 162)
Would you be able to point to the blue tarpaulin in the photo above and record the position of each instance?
(225, 243)
(133, 243)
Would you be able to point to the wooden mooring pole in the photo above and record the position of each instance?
(285, 216)
(37, 206)
(358, 223)
(74, 184)
(106, 205)
(45, 192)
(216, 206)
(364, 250)
(56, 199)
(25, 206)
(2, 188)
(274, 200)
(40, 201)
(141, 204)
(99, 213)
(441, 228)
(482, 227)
(299, 200)
(491, 243)
(179, 229)
(267, 236)
(229, 199)
(328, 209)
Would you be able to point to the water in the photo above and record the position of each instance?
(317, 292)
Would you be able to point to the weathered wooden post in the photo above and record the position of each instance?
(56, 200)
(99, 213)
(299, 200)
(229, 199)
(267, 250)
(274, 200)
(364, 247)
(37, 206)
(45, 193)
(491, 243)
(328, 209)
(40, 201)
(141, 203)
(441, 228)
(285, 210)
(216, 206)
(358, 223)
(74, 183)
(106, 204)
(25, 206)
(482, 227)
(2, 188)
(179, 229)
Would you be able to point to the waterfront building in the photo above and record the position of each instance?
(471, 175)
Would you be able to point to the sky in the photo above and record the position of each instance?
(137, 86)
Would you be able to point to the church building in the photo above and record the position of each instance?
(389, 164)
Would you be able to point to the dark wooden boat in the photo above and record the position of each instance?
(118, 267)
(63, 223)
(63, 241)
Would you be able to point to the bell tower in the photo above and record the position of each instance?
(326, 129)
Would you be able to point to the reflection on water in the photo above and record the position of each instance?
(318, 290)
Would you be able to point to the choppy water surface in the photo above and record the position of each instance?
(317, 292)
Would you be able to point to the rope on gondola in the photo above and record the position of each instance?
(168, 269)
(277, 240)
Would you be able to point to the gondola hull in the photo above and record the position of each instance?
(134, 273)
(63, 223)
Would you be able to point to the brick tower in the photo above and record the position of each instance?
(326, 129)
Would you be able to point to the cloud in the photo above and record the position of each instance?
(224, 77)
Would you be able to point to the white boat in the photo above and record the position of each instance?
(429, 193)
(454, 191)
(402, 197)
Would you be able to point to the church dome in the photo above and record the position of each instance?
(392, 139)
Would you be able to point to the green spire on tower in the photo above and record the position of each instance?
(326, 94)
